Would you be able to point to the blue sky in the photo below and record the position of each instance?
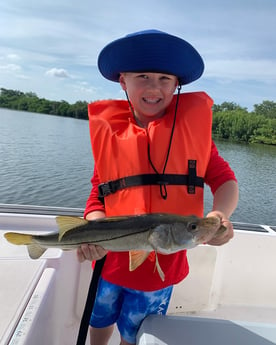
(51, 47)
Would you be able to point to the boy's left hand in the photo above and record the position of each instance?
(227, 235)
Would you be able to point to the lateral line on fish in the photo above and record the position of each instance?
(67, 225)
(68, 234)
(105, 239)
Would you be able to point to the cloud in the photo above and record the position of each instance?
(10, 67)
(242, 69)
(58, 73)
(13, 57)
(235, 40)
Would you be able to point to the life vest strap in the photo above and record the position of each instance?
(191, 181)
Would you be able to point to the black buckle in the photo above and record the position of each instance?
(105, 188)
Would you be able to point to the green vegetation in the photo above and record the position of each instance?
(29, 101)
(230, 121)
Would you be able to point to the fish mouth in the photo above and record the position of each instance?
(206, 230)
(212, 223)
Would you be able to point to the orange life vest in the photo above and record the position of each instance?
(120, 149)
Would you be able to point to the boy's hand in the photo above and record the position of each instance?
(90, 252)
(227, 235)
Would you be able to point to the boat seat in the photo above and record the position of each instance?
(182, 330)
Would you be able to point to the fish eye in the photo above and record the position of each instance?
(193, 226)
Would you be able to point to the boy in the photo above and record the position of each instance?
(152, 153)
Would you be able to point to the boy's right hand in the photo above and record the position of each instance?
(90, 252)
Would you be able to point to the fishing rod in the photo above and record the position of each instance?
(90, 300)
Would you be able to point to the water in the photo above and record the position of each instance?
(46, 160)
(254, 166)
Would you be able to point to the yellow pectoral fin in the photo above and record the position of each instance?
(136, 258)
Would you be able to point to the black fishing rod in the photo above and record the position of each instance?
(90, 300)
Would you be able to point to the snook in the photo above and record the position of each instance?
(159, 232)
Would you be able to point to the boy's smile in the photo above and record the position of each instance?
(151, 100)
(149, 93)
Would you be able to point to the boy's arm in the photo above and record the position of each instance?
(223, 183)
(94, 209)
(93, 203)
(224, 203)
(226, 198)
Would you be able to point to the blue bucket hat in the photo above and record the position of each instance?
(151, 51)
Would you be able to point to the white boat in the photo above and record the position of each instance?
(229, 296)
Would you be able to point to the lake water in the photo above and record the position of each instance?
(46, 160)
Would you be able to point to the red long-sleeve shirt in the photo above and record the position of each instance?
(218, 172)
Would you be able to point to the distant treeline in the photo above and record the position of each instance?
(230, 121)
(29, 101)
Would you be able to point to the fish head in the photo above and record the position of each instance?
(184, 234)
(170, 238)
(206, 229)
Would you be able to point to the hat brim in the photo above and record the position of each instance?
(151, 52)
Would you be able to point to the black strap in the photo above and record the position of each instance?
(191, 181)
(90, 302)
(192, 178)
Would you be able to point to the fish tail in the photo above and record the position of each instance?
(34, 249)
(19, 239)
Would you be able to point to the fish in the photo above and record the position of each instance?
(140, 235)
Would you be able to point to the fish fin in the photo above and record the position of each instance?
(110, 219)
(67, 223)
(136, 258)
(158, 267)
(18, 238)
(35, 250)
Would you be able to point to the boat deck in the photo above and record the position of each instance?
(234, 285)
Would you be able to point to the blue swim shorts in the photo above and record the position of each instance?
(127, 307)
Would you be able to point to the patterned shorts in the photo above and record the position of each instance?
(127, 307)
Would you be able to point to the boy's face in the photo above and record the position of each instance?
(149, 93)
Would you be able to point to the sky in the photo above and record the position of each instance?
(50, 47)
